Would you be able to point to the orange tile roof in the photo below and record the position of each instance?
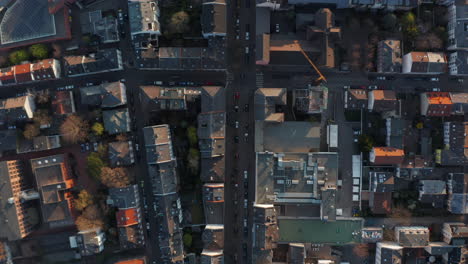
(388, 152)
(127, 217)
(23, 68)
(6, 75)
(439, 98)
(132, 261)
(384, 95)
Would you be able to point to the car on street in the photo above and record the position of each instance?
(277, 28)
(246, 107)
(247, 35)
(236, 139)
(356, 132)
(381, 78)
(346, 87)
(147, 226)
(236, 108)
(436, 89)
(246, 50)
(236, 95)
(246, 203)
(434, 79)
(237, 124)
(245, 175)
(372, 87)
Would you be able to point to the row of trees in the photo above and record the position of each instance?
(36, 51)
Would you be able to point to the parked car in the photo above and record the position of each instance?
(346, 87)
(236, 95)
(436, 89)
(372, 87)
(245, 174)
(246, 107)
(434, 79)
(237, 124)
(381, 78)
(277, 28)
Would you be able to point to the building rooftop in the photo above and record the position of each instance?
(26, 22)
(164, 98)
(103, 60)
(412, 236)
(106, 95)
(163, 177)
(143, 15)
(381, 181)
(294, 177)
(63, 103)
(54, 182)
(380, 202)
(390, 253)
(312, 230)
(212, 98)
(389, 57)
(158, 144)
(121, 153)
(212, 169)
(132, 261)
(302, 137)
(125, 197)
(213, 201)
(131, 237)
(386, 155)
(7, 140)
(266, 102)
(356, 99)
(95, 24)
(127, 217)
(213, 237)
(116, 121)
(213, 20)
(458, 37)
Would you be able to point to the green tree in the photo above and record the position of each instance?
(39, 51)
(193, 158)
(408, 19)
(192, 136)
(98, 129)
(366, 143)
(31, 131)
(95, 165)
(16, 57)
(187, 240)
(84, 199)
(389, 22)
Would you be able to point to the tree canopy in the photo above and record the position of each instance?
(42, 117)
(74, 129)
(31, 131)
(389, 21)
(115, 177)
(179, 22)
(192, 136)
(187, 238)
(366, 143)
(193, 158)
(16, 57)
(84, 199)
(39, 51)
(98, 129)
(95, 165)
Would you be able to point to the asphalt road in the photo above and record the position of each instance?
(240, 157)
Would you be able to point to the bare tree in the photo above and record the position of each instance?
(74, 129)
(115, 177)
(83, 223)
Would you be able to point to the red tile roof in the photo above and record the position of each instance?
(127, 217)
(388, 155)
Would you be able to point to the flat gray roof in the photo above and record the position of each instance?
(301, 137)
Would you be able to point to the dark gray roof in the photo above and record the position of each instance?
(457, 183)
(381, 181)
(101, 61)
(213, 201)
(212, 98)
(458, 203)
(121, 153)
(262, 20)
(7, 140)
(213, 237)
(163, 177)
(212, 169)
(460, 26)
(126, 197)
(213, 19)
(116, 121)
(105, 95)
(458, 62)
(392, 254)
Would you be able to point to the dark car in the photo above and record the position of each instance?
(246, 107)
(236, 139)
